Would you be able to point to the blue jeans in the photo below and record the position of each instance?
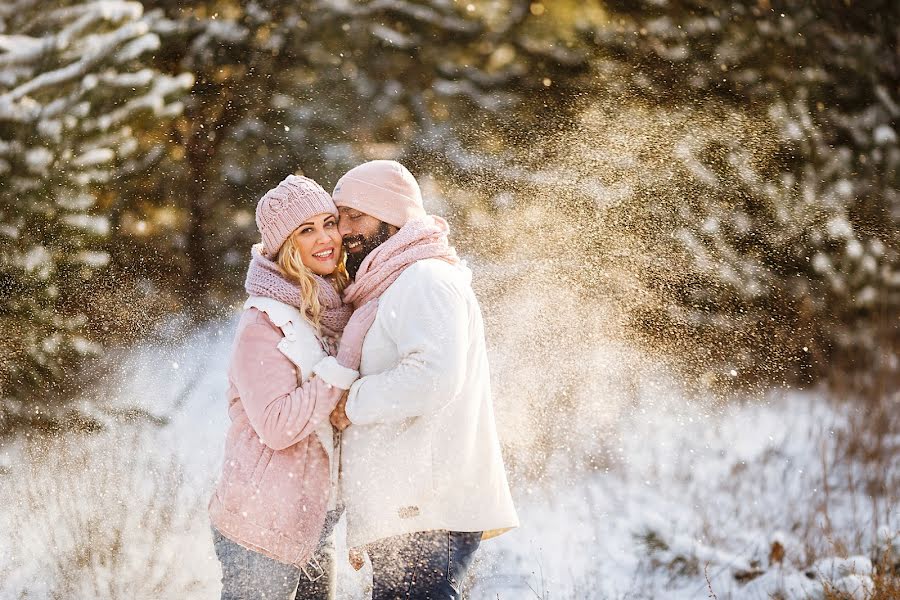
(248, 575)
(428, 565)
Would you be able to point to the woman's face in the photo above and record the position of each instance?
(319, 243)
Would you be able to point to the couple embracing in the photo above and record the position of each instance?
(358, 385)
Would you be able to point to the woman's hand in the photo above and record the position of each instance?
(350, 351)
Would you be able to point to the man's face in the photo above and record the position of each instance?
(361, 233)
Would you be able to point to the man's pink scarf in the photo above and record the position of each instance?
(265, 278)
(421, 238)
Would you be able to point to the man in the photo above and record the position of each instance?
(423, 480)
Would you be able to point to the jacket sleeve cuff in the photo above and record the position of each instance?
(331, 372)
(360, 413)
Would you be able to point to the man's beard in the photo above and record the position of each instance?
(355, 259)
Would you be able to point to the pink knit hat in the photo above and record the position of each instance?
(283, 208)
(384, 189)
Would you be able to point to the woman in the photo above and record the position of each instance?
(269, 508)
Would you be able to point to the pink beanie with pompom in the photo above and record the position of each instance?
(288, 205)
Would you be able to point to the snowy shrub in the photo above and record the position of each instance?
(102, 518)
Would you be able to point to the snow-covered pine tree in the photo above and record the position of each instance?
(733, 176)
(74, 98)
(783, 198)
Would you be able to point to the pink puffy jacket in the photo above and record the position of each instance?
(275, 482)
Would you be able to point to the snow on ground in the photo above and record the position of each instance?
(682, 490)
(697, 494)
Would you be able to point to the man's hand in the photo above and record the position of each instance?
(357, 558)
(339, 415)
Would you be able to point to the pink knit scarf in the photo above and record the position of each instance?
(421, 238)
(265, 278)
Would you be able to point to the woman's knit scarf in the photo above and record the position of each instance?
(265, 278)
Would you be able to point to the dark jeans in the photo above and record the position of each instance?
(428, 565)
(248, 575)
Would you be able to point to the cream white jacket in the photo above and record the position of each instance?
(422, 451)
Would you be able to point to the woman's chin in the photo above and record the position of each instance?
(322, 270)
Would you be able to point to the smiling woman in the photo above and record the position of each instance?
(273, 509)
(315, 244)
(314, 248)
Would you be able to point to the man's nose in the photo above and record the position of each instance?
(343, 228)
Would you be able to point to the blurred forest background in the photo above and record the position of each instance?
(724, 172)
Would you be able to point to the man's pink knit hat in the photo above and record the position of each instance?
(286, 206)
(384, 189)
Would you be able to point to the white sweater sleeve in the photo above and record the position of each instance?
(429, 323)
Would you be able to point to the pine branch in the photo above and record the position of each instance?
(331, 9)
(93, 56)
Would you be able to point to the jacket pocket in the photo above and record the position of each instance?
(415, 459)
(242, 454)
(262, 463)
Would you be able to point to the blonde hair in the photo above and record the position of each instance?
(291, 264)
